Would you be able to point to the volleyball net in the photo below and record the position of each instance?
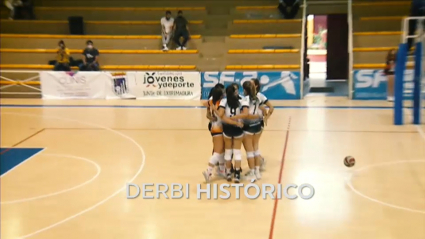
(410, 93)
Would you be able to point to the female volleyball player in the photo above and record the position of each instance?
(389, 72)
(216, 129)
(232, 130)
(266, 114)
(252, 129)
(210, 116)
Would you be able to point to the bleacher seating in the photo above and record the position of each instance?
(225, 35)
(376, 30)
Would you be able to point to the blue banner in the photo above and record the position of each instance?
(372, 85)
(276, 85)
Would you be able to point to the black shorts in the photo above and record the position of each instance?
(210, 128)
(231, 131)
(253, 128)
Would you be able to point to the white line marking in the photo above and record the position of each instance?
(22, 162)
(418, 128)
(421, 132)
(65, 190)
(378, 201)
(104, 200)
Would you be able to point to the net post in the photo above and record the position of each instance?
(417, 84)
(399, 80)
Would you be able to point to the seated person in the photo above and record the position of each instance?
(181, 29)
(90, 59)
(62, 58)
(167, 23)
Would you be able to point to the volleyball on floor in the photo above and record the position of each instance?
(349, 161)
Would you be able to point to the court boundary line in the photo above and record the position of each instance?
(184, 106)
(102, 201)
(22, 141)
(26, 160)
(99, 170)
(282, 162)
(349, 183)
(421, 132)
(271, 130)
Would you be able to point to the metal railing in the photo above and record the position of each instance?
(418, 40)
(303, 47)
(405, 28)
(350, 49)
(419, 37)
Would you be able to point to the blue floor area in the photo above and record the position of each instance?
(12, 157)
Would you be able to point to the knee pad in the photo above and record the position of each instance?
(214, 158)
(250, 155)
(257, 153)
(221, 159)
(237, 154)
(228, 154)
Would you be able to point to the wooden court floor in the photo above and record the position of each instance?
(74, 187)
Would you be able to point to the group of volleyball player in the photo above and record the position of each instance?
(236, 120)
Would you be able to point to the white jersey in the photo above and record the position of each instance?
(229, 112)
(254, 109)
(263, 100)
(167, 25)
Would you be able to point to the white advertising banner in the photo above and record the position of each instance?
(73, 85)
(165, 85)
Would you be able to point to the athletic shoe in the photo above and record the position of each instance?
(390, 99)
(232, 170)
(237, 176)
(165, 48)
(257, 174)
(184, 48)
(250, 176)
(207, 176)
(179, 48)
(263, 165)
(229, 177)
(221, 173)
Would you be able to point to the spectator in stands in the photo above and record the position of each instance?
(24, 9)
(62, 59)
(90, 59)
(417, 9)
(181, 29)
(167, 23)
(389, 72)
(11, 4)
(289, 8)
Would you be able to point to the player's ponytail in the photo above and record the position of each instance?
(249, 90)
(232, 97)
(257, 84)
(211, 93)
